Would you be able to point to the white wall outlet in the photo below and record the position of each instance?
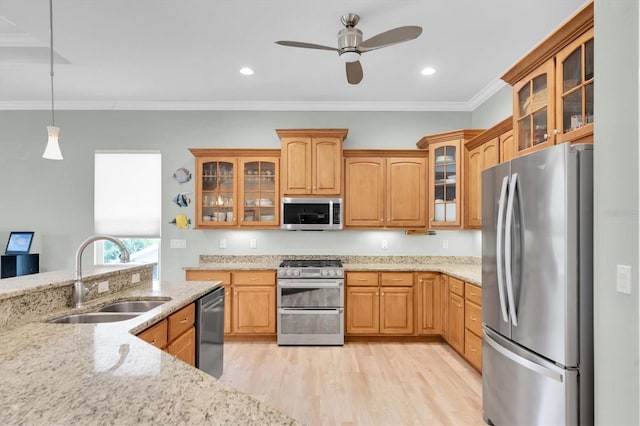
(623, 279)
(253, 243)
(135, 278)
(103, 286)
(384, 245)
(223, 243)
(178, 244)
(445, 243)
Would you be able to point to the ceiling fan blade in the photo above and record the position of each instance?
(305, 45)
(354, 72)
(388, 38)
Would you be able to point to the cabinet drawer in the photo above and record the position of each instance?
(181, 321)
(224, 276)
(473, 350)
(184, 347)
(473, 318)
(404, 279)
(366, 279)
(456, 286)
(254, 277)
(155, 335)
(473, 293)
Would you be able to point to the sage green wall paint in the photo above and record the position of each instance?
(493, 110)
(55, 198)
(616, 211)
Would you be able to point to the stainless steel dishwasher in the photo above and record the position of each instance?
(210, 332)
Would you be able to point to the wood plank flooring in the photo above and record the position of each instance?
(360, 383)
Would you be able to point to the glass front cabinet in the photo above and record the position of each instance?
(236, 191)
(553, 87)
(446, 169)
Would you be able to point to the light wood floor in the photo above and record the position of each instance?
(360, 383)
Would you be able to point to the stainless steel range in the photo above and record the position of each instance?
(310, 302)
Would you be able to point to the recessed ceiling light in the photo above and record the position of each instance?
(246, 71)
(428, 71)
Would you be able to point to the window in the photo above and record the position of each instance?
(127, 204)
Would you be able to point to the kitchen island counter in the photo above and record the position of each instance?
(103, 374)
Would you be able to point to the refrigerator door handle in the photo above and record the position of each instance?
(499, 251)
(507, 248)
(533, 366)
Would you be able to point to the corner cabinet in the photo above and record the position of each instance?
(385, 189)
(553, 87)
(236, 188)
(311, 161)
(482, 152)
(446, 177)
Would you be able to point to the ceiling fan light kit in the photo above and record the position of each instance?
(351, 46)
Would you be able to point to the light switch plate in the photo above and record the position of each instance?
(103, 286)
(445, 243)
(384, 245)
(179, 244)
(223, 243)
(623, 279)
(253, 243)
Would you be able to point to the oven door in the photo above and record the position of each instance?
(311, 293)
(311, 326)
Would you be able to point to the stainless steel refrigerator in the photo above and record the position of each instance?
(537, 288)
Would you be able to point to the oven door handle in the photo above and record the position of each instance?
(328, 311)
(310, 284)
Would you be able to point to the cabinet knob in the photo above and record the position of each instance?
(308, 187)
(556, 131)
(377, 294)
(381, 294)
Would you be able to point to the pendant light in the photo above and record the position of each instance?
(52, 151)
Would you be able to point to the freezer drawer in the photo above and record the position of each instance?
(520, 388)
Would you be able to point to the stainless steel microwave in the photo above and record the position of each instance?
(311, 214)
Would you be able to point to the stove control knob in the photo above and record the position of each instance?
(325, 272)
(332, 272)
(289, 272)
(296, 272)
(339, 272)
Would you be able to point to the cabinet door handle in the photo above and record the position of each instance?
(473, 318)
(153, 342)
(472, 348)
(556, 131)
(184, 320)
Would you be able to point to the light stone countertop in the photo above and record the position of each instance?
(464, 268)
(102, 374)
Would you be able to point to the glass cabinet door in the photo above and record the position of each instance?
(217, 192)
(534, 109)
(575, 80)
(259, 195)
(445, 185)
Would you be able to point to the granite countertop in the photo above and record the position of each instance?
(462, 267)
(103, 374)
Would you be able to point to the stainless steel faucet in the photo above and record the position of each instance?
(79, 290)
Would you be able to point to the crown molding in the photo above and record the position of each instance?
(468, 106)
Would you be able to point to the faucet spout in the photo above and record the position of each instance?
(79, 290)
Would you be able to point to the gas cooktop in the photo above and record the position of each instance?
(316, 268)
(315, 263)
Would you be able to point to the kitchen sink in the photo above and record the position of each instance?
(133, 306)
(94, 317)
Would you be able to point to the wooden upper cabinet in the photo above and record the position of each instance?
(574, 84)
(364, 191)
(482, 152)
(236, 188)
(446, 177)
(406, 189)
(505, 144)
(553, 87)
(385, 188)
(311, 161)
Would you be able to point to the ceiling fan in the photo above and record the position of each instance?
(351, 46)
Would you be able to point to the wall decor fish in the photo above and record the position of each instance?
(182, 199)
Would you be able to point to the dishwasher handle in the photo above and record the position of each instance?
(211, 305)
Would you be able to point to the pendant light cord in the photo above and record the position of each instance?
(53, 120)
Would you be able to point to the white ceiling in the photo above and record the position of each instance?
(185, 54)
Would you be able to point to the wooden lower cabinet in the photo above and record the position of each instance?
(428, 305)
(250, 299)
(175, 334)
(444, 305)
(254, 310)
(456, 322)
(473, 325)
(184, 347)
(379, 303)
